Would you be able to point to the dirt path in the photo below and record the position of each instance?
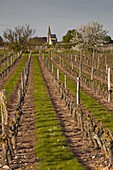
(25, 159)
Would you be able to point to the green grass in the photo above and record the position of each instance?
(94, 107)
(13, 80)
(97, 110)
(51, 147)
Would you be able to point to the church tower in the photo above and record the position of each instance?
(51, 39)
(49, 36)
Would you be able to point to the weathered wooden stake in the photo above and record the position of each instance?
(78, 90)
(43, 56)
(65, 81)
(60, 59)
(4, 112)
(109, 86)
(4, 115)
(106, 68)
(52, 68)
(93, 58)
(22, 82)
(92, 71)
(57, 73)
(105, 60)
(25, 76)
(11, 59)
(98, 64)
(30, 56)
(75, 58)
(7, 62)
(72, 65)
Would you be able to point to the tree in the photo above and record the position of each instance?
(18, 38)
(107, 39)
(1, 42)
(89, 36)
(68, 36)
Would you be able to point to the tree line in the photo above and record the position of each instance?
(88, 36)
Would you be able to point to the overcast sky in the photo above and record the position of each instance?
(61, 15)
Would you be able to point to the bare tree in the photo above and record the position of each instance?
(18, 38)
(89, 36)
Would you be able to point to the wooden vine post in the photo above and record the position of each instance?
(92, 72)
(22, 82)
(11, 59)
(109, 86)
(65, 81)
(75, 58)
(72, 65)
(98, 63)
(78, 91)
(60, 58)
(7, 62)
(43, 56)
(4, 116)
(93, 56)
(4, 112)
(52, 68)
(57, 73)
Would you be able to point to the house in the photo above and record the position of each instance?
(51, 39)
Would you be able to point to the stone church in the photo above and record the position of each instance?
(51, 39)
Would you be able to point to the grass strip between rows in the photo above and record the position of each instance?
(10, 85)
(93, 106)
(51, 147)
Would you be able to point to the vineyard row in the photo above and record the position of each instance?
(92, 129)
(10, 121)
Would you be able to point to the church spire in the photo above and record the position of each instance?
(49, 31)
(51, 39)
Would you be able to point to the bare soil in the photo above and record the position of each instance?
(25, 159)
(90, 158)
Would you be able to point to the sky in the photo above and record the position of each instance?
(60, 15)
